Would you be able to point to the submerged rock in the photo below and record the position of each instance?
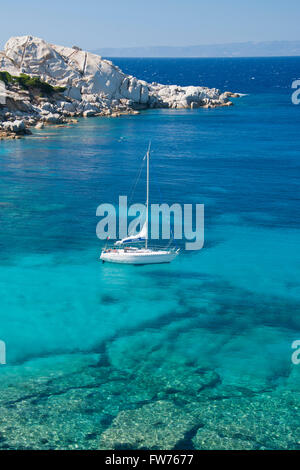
(39, 125)
(266, 421)
(159, 425)
(82, 402)
(210, 439)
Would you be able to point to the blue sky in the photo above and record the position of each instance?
(93, 24)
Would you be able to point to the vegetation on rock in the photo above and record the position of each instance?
(27, 82)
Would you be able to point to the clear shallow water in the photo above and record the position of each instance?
(231, 309)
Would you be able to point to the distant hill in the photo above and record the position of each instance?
(242, 49)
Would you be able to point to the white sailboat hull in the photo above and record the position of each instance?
(138, 257)
(133, 255)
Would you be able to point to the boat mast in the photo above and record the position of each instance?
(147, 200)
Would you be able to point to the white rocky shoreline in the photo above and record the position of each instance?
(69, 83)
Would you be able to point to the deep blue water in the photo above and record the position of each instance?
(234, 305)
(246, 75)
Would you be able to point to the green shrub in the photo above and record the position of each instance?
(28, 83)
(59, 89)
(6, 77)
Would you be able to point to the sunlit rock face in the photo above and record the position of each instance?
(89, 78)
(80, 83)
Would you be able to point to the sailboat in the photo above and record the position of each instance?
(123, 253)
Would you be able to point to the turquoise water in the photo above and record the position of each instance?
(195, 354)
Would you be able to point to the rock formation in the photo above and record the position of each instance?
(79, 83)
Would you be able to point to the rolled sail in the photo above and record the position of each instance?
(139, 237)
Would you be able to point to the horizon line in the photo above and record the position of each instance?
(201, 57)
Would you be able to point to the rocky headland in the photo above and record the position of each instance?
(45, 84)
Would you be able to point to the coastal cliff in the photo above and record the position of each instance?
(44, 83)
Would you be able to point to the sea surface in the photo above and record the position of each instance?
(195, 354)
